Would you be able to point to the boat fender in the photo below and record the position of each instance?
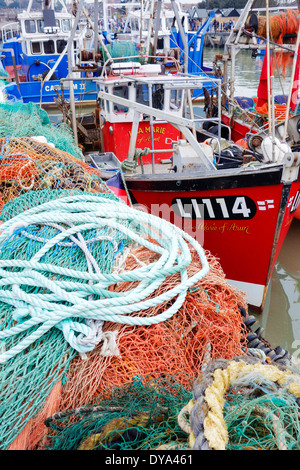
(280, 149)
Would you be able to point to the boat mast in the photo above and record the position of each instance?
(29, 6)
(183, 36)
(70, 66)
(296, 58)
(268, 65)
(157, 21)
(150, 30)
(232, 46)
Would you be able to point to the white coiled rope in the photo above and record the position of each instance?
(65, 303)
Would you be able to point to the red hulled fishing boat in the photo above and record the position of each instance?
(239, 204)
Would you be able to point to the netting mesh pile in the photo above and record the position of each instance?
(28, 119)
(30, 165)
(245, 404)
(284, 23)
(51, 255)
(141, 415)
(107, 313)
(207, 326)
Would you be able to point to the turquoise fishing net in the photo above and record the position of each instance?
(27, 380)
(261, 415)
(120, 49)
(34, 198)
(24, 243)
(28, 377)
(141, 415)
(28, 119)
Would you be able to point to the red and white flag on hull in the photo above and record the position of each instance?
(116, 185)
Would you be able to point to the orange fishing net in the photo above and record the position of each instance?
(285, 23)
(279, 110)
(29, 165)
(207, 326)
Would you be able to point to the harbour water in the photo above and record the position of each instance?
(248, 70)
(281, 315)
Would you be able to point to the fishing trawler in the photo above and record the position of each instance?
(40, 50)
(166, 32)
(237, 204)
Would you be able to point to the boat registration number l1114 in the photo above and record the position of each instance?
(215, 208)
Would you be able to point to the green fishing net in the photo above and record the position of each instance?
(102, 245)
(260, 415)
(246, 404)
(141, 415)
(28, 377)
(34, 198)
(28, 119)
(121, 49)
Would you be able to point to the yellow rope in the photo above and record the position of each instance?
(215, 429)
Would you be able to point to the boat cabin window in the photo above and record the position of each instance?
(60, 45)
(41, 24)
(160, 43)
(135, 25)
(158, 96)
(49, 47)
(122, 92)
(142, 95)
(30, 26)
(175, 99)
(36, 47)
(66, 25)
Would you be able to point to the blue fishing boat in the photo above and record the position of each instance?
(37, 53)
(161, 29)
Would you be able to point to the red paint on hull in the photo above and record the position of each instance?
(238, 129)
(245, 246)
(116, 139)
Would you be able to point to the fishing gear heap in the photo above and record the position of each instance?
(107, 313)
(108, 298)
